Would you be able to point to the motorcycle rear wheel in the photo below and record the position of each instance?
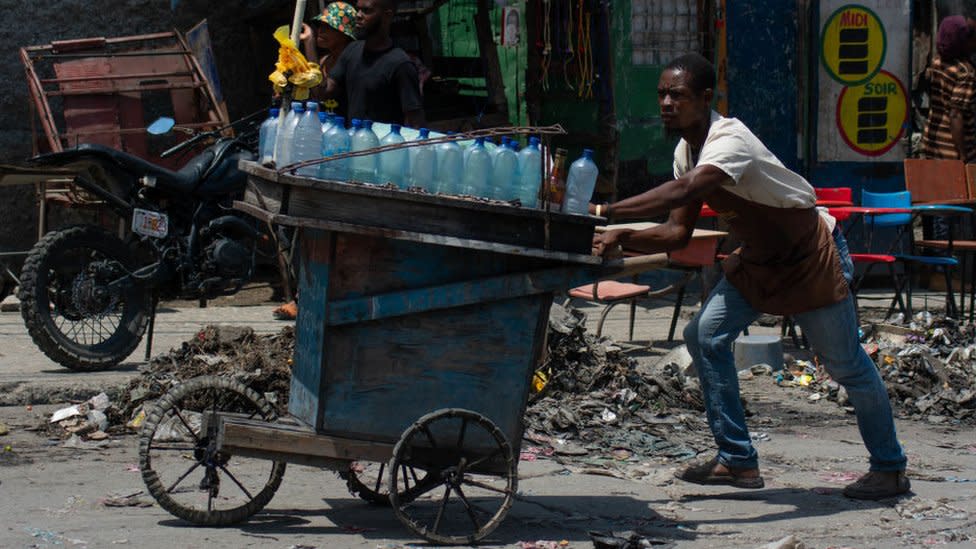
(70, 312)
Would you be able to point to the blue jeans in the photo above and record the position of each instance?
(831, 331)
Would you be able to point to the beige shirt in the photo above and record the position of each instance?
(756, 174)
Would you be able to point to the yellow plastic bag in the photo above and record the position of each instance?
(293, 67)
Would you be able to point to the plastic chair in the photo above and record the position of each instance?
(613, 292)
(834, 196)
(902, 222)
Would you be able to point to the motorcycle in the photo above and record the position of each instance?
(87, 295)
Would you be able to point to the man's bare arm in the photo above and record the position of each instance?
(671, 195)
(673, 234)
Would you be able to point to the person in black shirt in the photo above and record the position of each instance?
(377, 79)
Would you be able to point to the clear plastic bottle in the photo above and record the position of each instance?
(363, 168)
(266, 136)
(283, 148)
(530, 174)
(393, 164)
(422, 160)
(450, 164)
(307, 140)
(504, 172)
(477, 171)
(336, 142)
(580, 184)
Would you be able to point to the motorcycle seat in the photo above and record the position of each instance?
(183, 181)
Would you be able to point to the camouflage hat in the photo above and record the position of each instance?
(340, 16)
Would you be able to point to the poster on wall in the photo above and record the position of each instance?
(864, 66)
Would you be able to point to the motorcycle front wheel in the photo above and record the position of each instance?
(72, 312)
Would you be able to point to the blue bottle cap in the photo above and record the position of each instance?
(534, 141)
(275, 111)
(424, 133)
(297, 107)
(394, 128)
(323, 116)
(588, 152)
(355, 122)
(339, 121)
(312, 106)
(480, 141)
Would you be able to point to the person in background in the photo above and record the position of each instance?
(950, 129)
(793, 260)
(377, 79)
(331, 31)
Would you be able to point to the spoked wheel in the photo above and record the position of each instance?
(181, 465)
(473, 482)
(72, 304)
(368, 480)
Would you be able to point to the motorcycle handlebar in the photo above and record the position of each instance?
(184, 145)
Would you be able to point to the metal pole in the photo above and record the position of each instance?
(296, 31)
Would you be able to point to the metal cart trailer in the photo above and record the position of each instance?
(421, 321)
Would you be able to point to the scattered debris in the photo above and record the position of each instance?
(4, 429)
(596, 407)
(789, 542)
(926, 509)
(626, 540)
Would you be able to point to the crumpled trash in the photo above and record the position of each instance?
(542, 544)
(789, 542)
(4, 429)
(624, 540)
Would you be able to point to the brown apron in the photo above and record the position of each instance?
(787, 262)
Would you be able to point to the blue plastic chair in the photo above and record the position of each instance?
(903, 222)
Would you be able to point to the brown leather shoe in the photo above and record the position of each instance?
(714, 473)
(878, 485)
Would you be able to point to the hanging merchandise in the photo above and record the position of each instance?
(292, 69)
(585, 56)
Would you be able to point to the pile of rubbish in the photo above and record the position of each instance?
(929, 367)
(594, 404)
(262, 362)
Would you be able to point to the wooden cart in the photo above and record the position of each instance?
(422, 320)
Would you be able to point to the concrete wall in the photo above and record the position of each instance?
(243, 46)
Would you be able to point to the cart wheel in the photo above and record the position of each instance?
(365, 479)
(181, 465)
(473, 476)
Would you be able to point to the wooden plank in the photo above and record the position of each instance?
(310, 335)
(425, 238)
(295, 444)
(447, 296)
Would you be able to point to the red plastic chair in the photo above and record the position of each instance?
(835, 196)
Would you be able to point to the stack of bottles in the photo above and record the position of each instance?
(482, 169)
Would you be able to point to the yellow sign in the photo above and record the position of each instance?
(853, 44)
(871, 117)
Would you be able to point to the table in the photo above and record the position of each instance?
(700, 251)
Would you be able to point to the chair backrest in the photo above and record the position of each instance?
(900, 199)
(932, 180)
(834, 193)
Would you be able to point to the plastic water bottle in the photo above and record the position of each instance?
(450, 164)
(393, 164)
(421, 162)
(504, 172)
(363, 168)
(580, 184)
(477, 171)
(266, 136)
(326, 119)
(336, 142)
(306, 142)
(283, 147)
(530, 174)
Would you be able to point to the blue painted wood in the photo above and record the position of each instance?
(310, 334)
(383, 375)
(457, 294)
(762, 64)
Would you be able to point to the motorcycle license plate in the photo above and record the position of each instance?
(149, 223)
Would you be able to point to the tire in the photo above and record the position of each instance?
(367, 481)
(57, 290)
(181, 466)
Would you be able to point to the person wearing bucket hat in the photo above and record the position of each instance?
(331, 31)
(377, 80)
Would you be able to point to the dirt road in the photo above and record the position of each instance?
(63, 497)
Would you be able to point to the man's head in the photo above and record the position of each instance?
(374, 17)
(685, 91)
